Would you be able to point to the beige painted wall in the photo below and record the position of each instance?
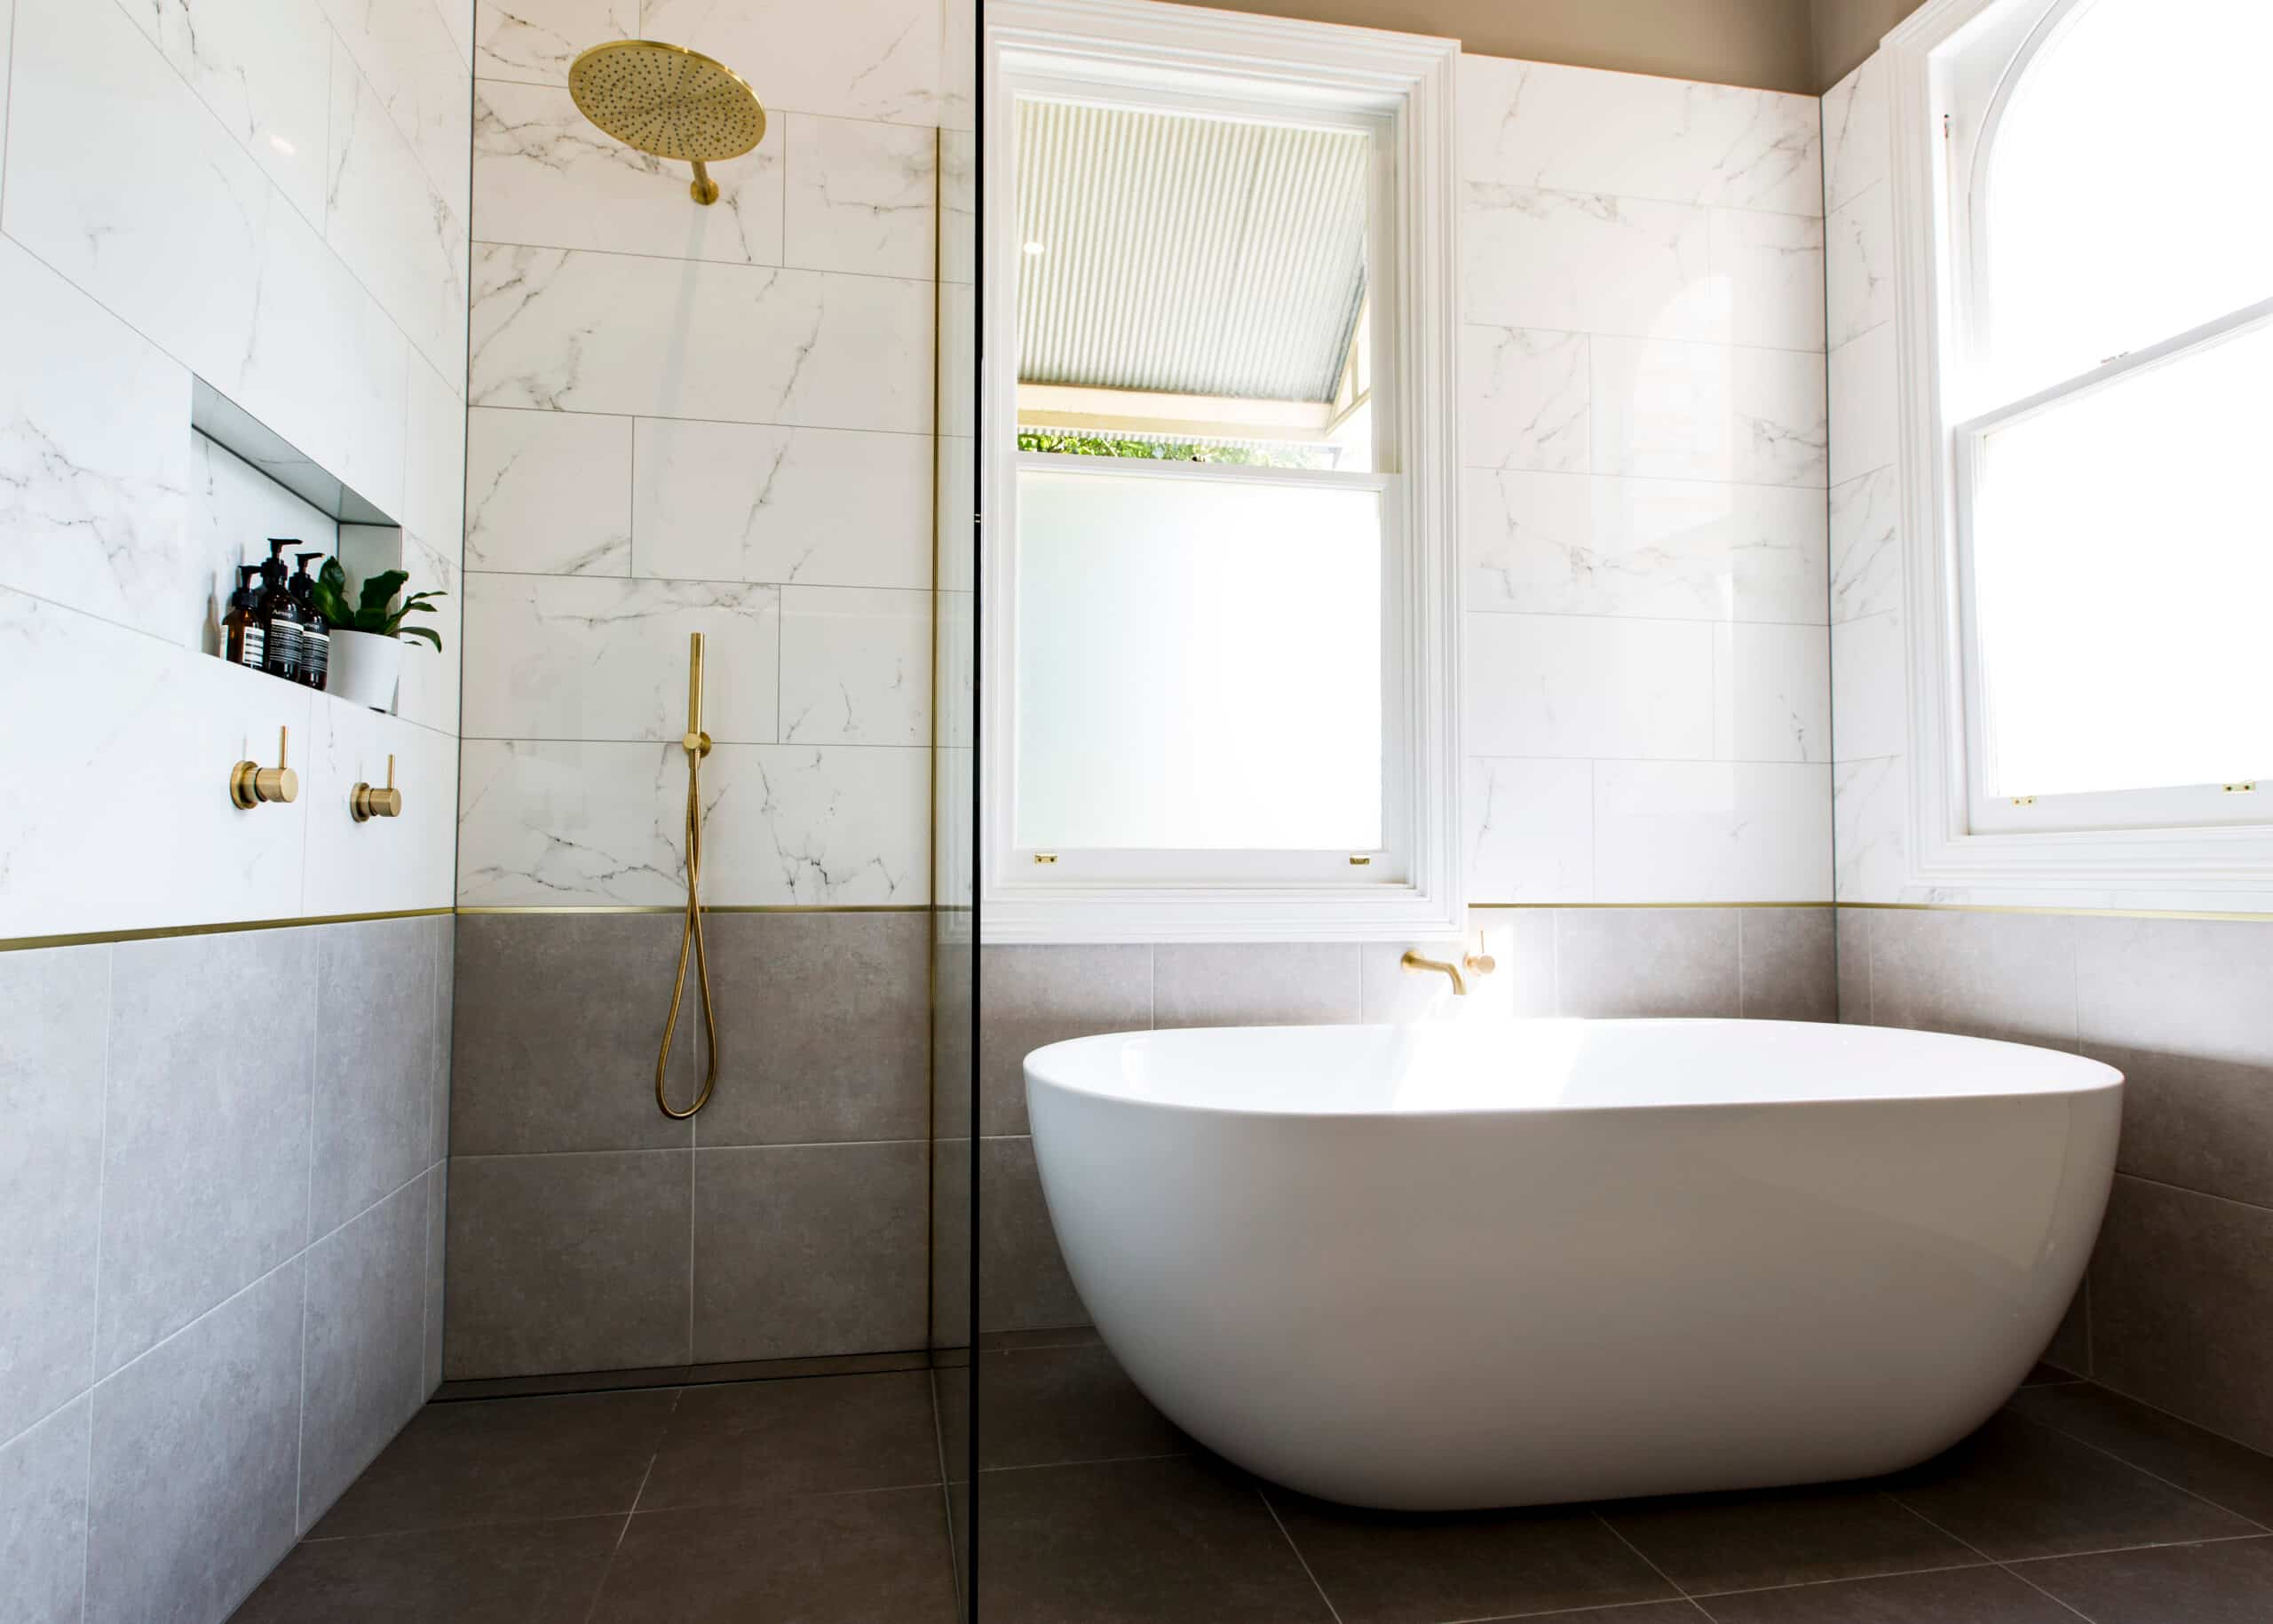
(1763, 43)
(1847, 31)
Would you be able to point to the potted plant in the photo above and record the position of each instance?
(366, 635)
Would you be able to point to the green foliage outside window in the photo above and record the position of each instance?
(1071, 444)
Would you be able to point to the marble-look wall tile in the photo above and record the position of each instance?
(1530, 830)
(1614, 962)
(1870, 691)
(569, 657)
(603, 823)
(194, 1462)
(534, 40)
(1863, 404)
(261, 66)
(406, 52)
(856, 666)
(431, 677)
(1703, 831)
(1865, 548)
(1524, 400)
(1767, 278)
(1587, 263)
(1582, 130)
(94, 462)
(1563, 685)
(860, 196)
(274, 320)
(958, 205)
(864, 58)
(1869, 829)
(1772, 693)
(386, 864)
(1693, 411)
(817, 507)
(1857, 154)
(44, 1511)
(384, 217)
(548, 493)
(544, 174)
(1559, 543)
(433, 475)
(51, 1063)
(1859, 273)
(744, 343)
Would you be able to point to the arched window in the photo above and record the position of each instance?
(2111, 163)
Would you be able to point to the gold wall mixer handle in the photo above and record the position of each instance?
(252, 785)
(365, 803)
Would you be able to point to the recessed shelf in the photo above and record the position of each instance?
(229, 425)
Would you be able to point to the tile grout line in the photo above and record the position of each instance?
(1304, 1562)
(1679, 1590)
(1977, 1551)
(637, 1495)
(2145, 1472)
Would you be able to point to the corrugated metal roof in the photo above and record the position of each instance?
(1191, 256)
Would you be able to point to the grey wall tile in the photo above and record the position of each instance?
(809, 1249)
(1854, 949)
(2183, 987)
(1023, 1285)
(51, 1036)
(374, 1106)
(950, 1243)
(1253, 984)
(194, 1463)
(1789, 960)
(2010, 975)
(205, 1164)
(824, 1028)
(2202, 1123)
(44, 1519)
(444, 928)
(954, 1048)
(2181, 1307)
(1647, 961)
(554, 1031)
(1037, 995)
(2071, 1347)
(437, 1191)
(567, 1262)
(365, 1344)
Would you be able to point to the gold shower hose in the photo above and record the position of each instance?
(697, 745)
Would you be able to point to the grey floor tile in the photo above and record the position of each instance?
(511, 1460)
(2228, 1582)
(1380, 1567)
(1633, 1613)
(1709, 1543)
(1136, 1542)
(2217, 1468)
(816, 1559)
(1056, 1406)
(2014, 1490)
(44, 1519)
(524, 1573)
(761, 1440)
(1966, 1595)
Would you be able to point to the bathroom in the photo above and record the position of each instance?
(1640, 1009)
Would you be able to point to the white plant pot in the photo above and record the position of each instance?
(366, 669)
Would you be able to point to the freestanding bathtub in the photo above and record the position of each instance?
(1493, 1264)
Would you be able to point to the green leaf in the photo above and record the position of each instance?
(424, 635)
(379, 591)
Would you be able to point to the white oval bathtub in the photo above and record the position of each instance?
(1491, 1264)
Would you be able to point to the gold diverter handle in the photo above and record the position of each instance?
(697, 745)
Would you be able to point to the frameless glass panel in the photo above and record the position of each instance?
(1199, 663)
(2123, 561)
(2126, 186)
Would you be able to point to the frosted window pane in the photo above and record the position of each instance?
(2123, 557)
(1199, 664)
(2127, 185)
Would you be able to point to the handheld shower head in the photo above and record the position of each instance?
(668, 102)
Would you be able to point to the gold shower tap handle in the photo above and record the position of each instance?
(252, 785)
(365, 803)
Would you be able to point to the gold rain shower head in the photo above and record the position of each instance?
(668, 102)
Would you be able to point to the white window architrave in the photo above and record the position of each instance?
(1948, 69)
(1175, 57)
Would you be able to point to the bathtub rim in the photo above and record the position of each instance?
(2093, 1075)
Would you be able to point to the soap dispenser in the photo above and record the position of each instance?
(278, 616)
(245, 644)
(315, 632)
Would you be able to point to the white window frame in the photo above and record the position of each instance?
(1399, 87)
(1949, 69)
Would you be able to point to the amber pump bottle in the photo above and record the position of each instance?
(279, 617)
(242, 629)
(315, 632)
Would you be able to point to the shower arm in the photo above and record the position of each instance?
(696, 743)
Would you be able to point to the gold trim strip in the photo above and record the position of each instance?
(2062, 913)
(152, 934)
(708, 908)
(1543, 908)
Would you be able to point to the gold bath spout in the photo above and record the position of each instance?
(1412, 961)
